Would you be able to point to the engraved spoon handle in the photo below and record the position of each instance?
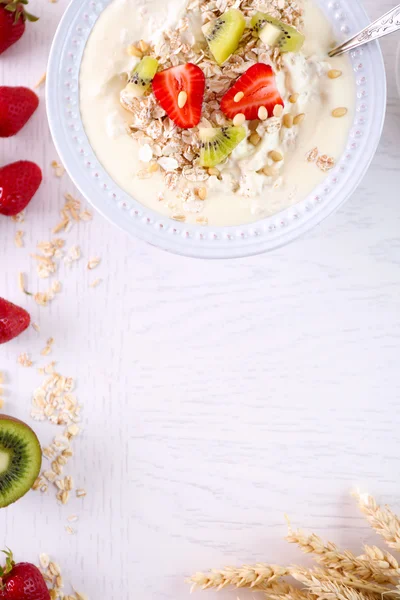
(389, 23)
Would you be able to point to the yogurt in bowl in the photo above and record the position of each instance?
(293, 166)
(282, 158)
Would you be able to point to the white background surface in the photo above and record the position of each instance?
(217, 395)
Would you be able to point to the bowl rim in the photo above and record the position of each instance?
(186, 239)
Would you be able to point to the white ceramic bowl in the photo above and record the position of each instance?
(346, 16)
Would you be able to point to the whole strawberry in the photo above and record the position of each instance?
(12, 22)
(13, 321)
(17, 105)
(22, 581)
(19, 182)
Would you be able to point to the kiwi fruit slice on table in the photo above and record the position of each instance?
(20, 459)
(141, 77)
(223, 34)
(218, 142)
(276, 33)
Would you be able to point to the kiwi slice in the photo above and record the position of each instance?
(20, 459)
(141, 77)
(223, 34)
(276, 33)
(218, 142)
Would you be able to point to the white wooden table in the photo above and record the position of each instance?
(217, 395)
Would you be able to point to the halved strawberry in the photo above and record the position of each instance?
(180, 91)
(258, 87)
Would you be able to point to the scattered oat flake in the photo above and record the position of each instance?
(44, 560)
(325, 163)
(58, 168)
(47, 349)
(36, 327)
(19, 218)
(80, 493)
(93, 262)
(24, 360)
(56, 286)
(69, 530)
(312, 155)
(1, 377)
(95, 283)
(41, 298)
(80, 596)
(72, 518)
(19, 242)
(86, 215)
(21, 282)
(1, 402)
(40, 81)
(73, 255)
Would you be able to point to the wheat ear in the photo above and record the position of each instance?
(383, 520)
(332, 590)
(246, 576)
(308, 577)
(280, 590)
(372, 566)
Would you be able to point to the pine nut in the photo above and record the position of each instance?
(182, 99)
(269, 171)
(299, 119)
(143, 46)
(254, 138)
(133, 51)
(334, 73)
(262, 113)
(288, 120)
(153, 167)
(275, 156)
(278, 110)
(213, 171)
(238, 97)
(202, 193)
(293, 98)
(339, 112)
(239, 119)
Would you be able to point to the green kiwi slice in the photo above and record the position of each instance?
(218, 142)
(276, 33)
(223, 34)
(20, 459)
(141, 77)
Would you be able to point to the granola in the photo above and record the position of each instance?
(176, 150)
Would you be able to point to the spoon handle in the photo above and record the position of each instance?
(389, 23)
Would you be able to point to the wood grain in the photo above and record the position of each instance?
(218, 396)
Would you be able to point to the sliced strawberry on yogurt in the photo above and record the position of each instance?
(180, 91)
(255, 89)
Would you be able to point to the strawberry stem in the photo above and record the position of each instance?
(17, 7)
(9, 563)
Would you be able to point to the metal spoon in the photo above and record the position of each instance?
(389, 23)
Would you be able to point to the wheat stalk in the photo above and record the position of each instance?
(374, 565)
(246, 576)
(383, 520)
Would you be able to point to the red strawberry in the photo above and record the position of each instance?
(167, 87)
(22, 581)
(12, 22)
(13, 320)
(17, 105)
(19, 181)
(258, 87)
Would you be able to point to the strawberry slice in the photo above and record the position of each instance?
(180, 90)
(258, 88)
